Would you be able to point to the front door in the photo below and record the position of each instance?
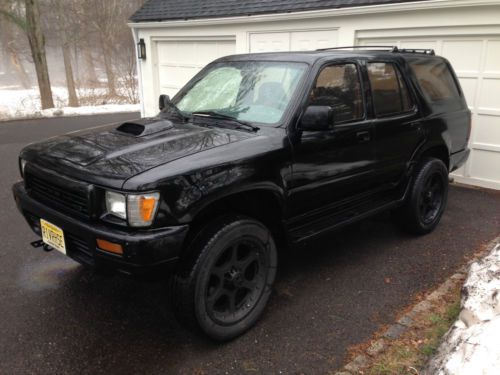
(332, 166)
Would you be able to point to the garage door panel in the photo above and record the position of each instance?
(485, 164)
(176, 76)
(269, 42)
(487, 130)
(489, 95)
(418, 44)
(469, 86)
(492, 59)
(464, 55)
(311, 40)
(293, 40)
(211, 51)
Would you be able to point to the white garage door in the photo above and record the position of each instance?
(476, 60)
(293, 40)
(179, 61)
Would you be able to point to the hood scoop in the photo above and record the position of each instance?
(144, 127)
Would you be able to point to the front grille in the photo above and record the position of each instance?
(57, 195)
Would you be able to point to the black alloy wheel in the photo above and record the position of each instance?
(225, 284)
(426, 198)
(431, 198)
(236, 281)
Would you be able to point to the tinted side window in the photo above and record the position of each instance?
(389, 92)
(435, 79)
(338, 86)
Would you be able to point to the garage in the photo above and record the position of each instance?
(180, 38)
(476, 60)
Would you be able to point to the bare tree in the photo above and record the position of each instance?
(13, 59)
(36, 39)
(67, 35)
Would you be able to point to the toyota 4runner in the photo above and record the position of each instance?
(256, 152)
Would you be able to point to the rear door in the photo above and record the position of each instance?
(398, 129)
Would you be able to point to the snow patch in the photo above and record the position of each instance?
(471, 345)
(20, 103)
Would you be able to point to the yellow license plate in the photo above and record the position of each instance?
(53, 236)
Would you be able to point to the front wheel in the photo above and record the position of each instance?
(225, 287)
(427, 198)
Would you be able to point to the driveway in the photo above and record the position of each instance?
(57, 317)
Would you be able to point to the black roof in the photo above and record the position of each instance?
(169, 10)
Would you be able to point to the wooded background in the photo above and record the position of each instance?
(84, 45)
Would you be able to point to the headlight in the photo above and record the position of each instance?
(22, 164)
(115, 204)
(138, 209)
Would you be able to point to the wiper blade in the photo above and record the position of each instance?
(221, 116)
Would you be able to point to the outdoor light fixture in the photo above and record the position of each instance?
(141, 49)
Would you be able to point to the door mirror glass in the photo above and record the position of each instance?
(162, 101)
(317, 117)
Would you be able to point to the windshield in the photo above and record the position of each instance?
(250, 91)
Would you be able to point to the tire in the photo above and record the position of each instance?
(225, 286)
(427, 198)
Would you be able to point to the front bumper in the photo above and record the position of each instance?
(144, 251)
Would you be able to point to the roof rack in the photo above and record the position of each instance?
(393, 49)
(429, 51)
(389, 48)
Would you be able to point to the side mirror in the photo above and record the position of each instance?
(317, 117)
(162, 101)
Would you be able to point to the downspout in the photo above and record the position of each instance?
(135, 35)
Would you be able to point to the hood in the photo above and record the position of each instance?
(111, 154)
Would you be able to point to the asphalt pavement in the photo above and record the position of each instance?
(57, 317)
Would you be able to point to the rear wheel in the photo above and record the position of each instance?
(225, 287)
(427, 198)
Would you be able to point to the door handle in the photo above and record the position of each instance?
(363, 136)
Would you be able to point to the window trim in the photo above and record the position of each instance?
(397, 68)
(361, 88)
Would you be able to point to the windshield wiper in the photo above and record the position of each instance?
(221, 116)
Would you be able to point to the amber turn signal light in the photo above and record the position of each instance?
(111, 247)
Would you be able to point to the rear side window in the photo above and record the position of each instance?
(389, 92)
(435, 79)
(338, 86)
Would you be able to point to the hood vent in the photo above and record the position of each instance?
(144, 127)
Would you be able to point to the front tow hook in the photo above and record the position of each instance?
(40, 243)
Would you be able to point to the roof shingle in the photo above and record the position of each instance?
(169, 10)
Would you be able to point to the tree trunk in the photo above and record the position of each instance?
(19, 68)
(109, 68)
(70, 82)
(11, 57)
(91, 77)
(37, 45)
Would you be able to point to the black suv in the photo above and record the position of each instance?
(256, 152)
